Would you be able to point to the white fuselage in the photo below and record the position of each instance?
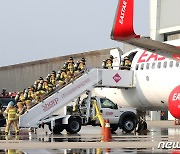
(155, 77)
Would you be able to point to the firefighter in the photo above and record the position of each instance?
(70, 70)
(31, 92)
(53, 78)
(19, 100)
(71, 60)
(84, 60)
(45, 86)
(12, 118)
(62, 77)
(126, 63)
(109, 63)
(48, 78)
(27, 99)
(81, 66)
(40, 91)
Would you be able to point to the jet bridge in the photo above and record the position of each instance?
(62, 97)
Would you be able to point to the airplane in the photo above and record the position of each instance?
(156, 69)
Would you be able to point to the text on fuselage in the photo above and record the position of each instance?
(147, 56)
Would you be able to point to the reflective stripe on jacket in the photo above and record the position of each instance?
(11, 111)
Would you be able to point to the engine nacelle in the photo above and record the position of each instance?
(174, 102)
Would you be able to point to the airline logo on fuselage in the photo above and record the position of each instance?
(147, 56)
(176, 97)
(123, 10)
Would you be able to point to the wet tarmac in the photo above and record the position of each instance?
(89, 140)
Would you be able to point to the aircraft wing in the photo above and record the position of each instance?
(123, 30)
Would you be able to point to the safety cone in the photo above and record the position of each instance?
(103, 128)
(107, 137)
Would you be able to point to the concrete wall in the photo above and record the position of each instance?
(20, 76)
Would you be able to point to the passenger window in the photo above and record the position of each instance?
(165, 64)
(159, 65)
(142, 66)
(137, 66)
(147, 66)
(171, 64)
(177, 64)
(153, 65)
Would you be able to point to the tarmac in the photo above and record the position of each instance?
(89, 140)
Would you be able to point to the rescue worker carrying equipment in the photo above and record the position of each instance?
(126, 63)
(12, 118)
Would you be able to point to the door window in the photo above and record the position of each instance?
(106, 103)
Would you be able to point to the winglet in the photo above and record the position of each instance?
(123, 28)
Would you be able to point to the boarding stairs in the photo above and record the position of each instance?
(62, 97)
